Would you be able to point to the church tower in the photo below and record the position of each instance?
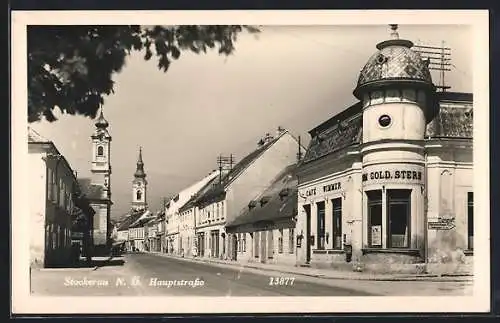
(139, 185)
(101, 156)
(100, 189)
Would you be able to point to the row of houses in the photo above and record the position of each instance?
(386, 184)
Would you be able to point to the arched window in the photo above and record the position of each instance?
(100, 151)
(139, 195)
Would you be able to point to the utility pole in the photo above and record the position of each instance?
(299, 153)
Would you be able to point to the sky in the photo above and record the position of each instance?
(295, 77)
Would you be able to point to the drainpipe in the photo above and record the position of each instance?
(426, 208)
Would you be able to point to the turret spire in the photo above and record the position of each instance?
(101, 121)
(394, 32)
(140, 166)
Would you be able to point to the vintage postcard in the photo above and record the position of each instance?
(250, 162)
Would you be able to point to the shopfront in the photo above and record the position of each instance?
(386, 184)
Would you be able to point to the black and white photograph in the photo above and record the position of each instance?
(223, 162)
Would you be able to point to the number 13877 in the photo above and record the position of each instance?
(281, 281)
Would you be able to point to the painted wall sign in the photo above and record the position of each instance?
(325, 188)
(393, 174)
(442, 224)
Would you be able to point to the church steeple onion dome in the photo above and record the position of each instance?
(139, 172)
(101, 121)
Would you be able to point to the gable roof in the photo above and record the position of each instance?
(128, 221)
(218, 191)
(279, 201)
(34, 136)
(198, 195)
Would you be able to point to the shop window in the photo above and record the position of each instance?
(398, 207)
(337, 223)
(374, 218)
(470, 220)
(291, 240)
(321, 225)
(280, 241)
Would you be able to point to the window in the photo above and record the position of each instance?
(100, 151)
(50, 184)
(47, 236)
(222, 210)
(470, 220)
(54, 187)
(238, 241)
(321, 225)
(61, 190)
(374, 218)
(291, 240)
(138, 195)
(398, 207)
(337, 223)
(244, 242)
(280, 241)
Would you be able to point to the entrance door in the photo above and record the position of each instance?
(307, 208)
(235, 246)
(263, 246)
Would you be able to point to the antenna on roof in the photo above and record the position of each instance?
(438, 59)
(225, 163)
(299, 153)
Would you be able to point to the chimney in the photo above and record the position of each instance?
(279, 131)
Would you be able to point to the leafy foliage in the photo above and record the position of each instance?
(71, 67)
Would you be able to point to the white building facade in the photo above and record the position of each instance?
(386, 185)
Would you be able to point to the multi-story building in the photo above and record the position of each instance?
(226, 199)
(180, 225)
(386, 185)
(53, 203)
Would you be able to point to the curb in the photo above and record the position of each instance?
(65, 269)
(430, 278)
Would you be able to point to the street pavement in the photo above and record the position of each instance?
(154, 275)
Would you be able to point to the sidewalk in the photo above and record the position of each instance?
(327, 273)
(82, 266)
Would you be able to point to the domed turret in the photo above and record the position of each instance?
(396, 66)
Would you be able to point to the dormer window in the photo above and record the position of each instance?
(252, 204)
(264, 200)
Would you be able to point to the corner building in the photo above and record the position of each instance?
(386, 185)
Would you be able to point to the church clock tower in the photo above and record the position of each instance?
(139, 185)
(100, 188)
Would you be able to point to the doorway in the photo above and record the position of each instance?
(263, 247)
(307, 209)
